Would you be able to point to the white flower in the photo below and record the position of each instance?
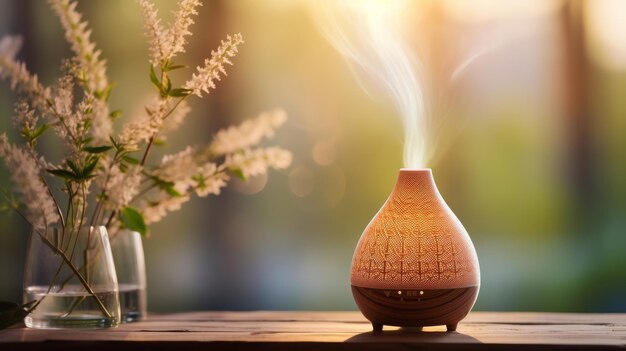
(180, 28)
(154, 31)
(257, 161)
(277, 158)
(70, 123)
(92, 68)
(166, 43)
(214, 66)
(25, 117)
(155, 209)
(153, 120)
(178, 168)
(188, 171)
(248, 133)
(203, 180)
(41, 210)
(64, 100)
(119, 187)
(21, 79)
(146, 125)
(210, 181)
(101, 123)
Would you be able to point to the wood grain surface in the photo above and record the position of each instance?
(293, 330)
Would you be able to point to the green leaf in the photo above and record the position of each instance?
(133, 220)
(116, 145)
(166, 186)
(63, 173)
(239, 173)
(165, 64)
(180, 92)
(168, 65)
(88, 170)
(76, 173)
(166, 86)
(158, 142)
(174, 67)
(115, 114)
(97, 149)
(104, 94)
(73, 166)
(87, 125)
(107, 92)
(200, 181)
(26, 133)
(169, 188)
(131, 160)
(12, 313)
(9, 203)
(154, 79)
(39, 131)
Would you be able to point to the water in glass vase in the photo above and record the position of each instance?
(72, 307)
(132, 302)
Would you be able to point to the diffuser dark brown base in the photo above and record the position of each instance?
(415, 308)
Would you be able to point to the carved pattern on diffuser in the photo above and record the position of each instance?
(414, 241)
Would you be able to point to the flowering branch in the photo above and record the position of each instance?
(204, 79)
(77, 33)
(21, 79)
(166, 43)
(91, 70)
(26, 174)
(129, 193)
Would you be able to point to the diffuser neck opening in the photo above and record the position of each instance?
(411, 180)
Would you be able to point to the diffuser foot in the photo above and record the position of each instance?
(377, 327)
(451, 327)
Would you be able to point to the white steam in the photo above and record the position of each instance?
(368, 35)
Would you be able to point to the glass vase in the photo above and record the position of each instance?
(130, 265)
(70, 279)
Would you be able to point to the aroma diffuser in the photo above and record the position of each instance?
(415, 265)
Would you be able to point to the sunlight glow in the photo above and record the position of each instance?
(606, 23)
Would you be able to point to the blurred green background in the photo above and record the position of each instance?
(534, 164)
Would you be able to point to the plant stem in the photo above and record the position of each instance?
(67, 215)
(151, 141)
(98, 208)
(110, 219)
(143, 192)
(174, 107)
(145, 154)
(62, 120)
(80, 224)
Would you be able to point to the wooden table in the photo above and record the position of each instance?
(300, 331)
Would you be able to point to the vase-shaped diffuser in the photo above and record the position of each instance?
(415, 265)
